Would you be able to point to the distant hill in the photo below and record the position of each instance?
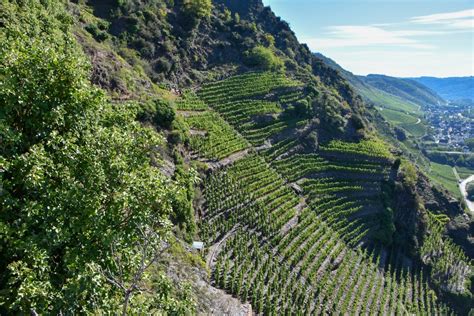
(405, 88)
(455, 88)
(372, 86)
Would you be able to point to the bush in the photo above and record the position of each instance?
(198, 8)
(400, 133)
(264, 58)
(469, 142)
(165, 114)
(357, 121)
(162, 65)
(409, 174)
(97, 32)
(159, 112)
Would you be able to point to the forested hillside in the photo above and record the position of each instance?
(454, 89)
(131, 129)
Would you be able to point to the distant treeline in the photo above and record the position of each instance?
(450, 158)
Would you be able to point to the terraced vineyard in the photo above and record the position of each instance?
(342, 184)
(211, 136)
(252, 102)
(287, 229)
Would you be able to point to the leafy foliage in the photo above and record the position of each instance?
(198, 8)
(157, 111)
(78, 189)
(264, 58)
(469, 143)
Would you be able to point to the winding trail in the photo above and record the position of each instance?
(462, 187)
(214, 249)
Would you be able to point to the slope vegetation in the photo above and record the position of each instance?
(287, 220)
(460, 88)
(201, 120)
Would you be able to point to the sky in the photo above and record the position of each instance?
(403, 38)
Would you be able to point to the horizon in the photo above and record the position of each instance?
(405, 39)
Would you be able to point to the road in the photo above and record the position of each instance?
(462, 187)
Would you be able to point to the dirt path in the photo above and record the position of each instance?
(188, 113)
(214, 249)
(228, 160)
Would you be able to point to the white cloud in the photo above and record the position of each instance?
(400, 63)
(459, 20)
(440, 17)
(356, 35)
(393, 34)
(422, 45)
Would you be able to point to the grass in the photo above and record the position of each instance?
(398, 117)
(444, 175)
(417, 130)
(386, 100)
(465, 172)
(397, 111)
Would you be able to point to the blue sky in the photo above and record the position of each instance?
(400, 38)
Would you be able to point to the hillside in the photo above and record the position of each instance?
(132, 129)
(401, 88)
(454, 89)
(405, 89)
(414, 119)
(398, 101)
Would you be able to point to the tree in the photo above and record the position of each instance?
(264, 58)
(198, 8)
(77, 178)
(149, 249)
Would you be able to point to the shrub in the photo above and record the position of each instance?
(162, 65)
(159, 112)
(357, 121)
(410, 176)
(269, 40)
(264, 58)
(165, 114)
(198, 8)
(469, 142)
(400, 133)
(97, 32)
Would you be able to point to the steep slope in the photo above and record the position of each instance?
(301, 207)
(289, 210)
(455, 89)
(401, 88)
(405, 89)
(398, 101)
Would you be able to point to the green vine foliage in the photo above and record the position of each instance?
(77, 186)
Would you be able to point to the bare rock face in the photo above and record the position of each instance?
(216, 302)
(210, 300)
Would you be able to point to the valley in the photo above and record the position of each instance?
(434, 132)
(192, 157)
